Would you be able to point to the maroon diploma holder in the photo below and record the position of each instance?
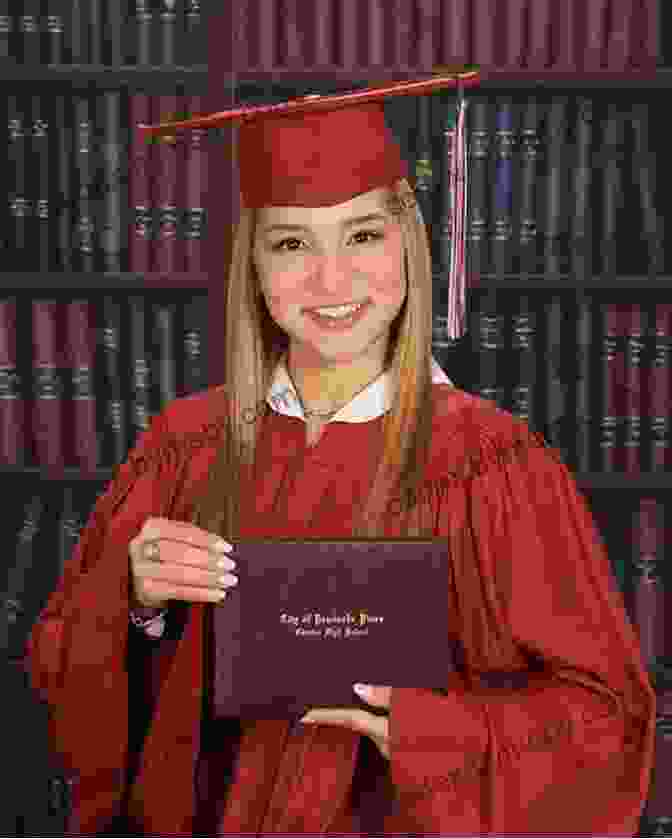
(311, 617)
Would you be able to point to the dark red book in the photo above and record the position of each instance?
(633, 387)
(194, 154)
(659, 389)
(48, 387)
(81, 343)
(165, 197)
(12, 405)
(613, 377)
(649, 596)
(311, 617)
(540, 20)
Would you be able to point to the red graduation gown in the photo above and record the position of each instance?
(563, 747)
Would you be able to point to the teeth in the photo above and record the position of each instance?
(338, 311)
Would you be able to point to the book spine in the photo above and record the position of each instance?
(612, 361)
(556, 378)
(611, 188)
(143, 28)
(523, 345)
(424, 165)
(660, 391)
(140, 237)
(516, 32)
(54, 35)
(95, 32)
(165, 362)
(141, 373)
(584, 386)
(424, 182)
(113, 197)
(478, 177)
(529, 157)
(85, 227)
(456, 35)
(633, 387)
(657, 806)
(555, 183)
(7, 48)
(81, 348)
(168, 25)
(70, 526)
(12, 405)
(79, 27)
(376, 33)
(489, 336)
(195, 33)
(64, 209)
(29, 27)
(644, 174)
(648, 590)
(422, 44)
(619, 45)
(164, 201)
(13, 642)
(114, 413)
(268, 38)
(48, 392)
(502, 196)
(540, 34)
(18, 207)
(194, 342)
(40, 147)
(195, 169)
(114, 34)
(323, 32)
(483, 32)
(581, 249)
(596, 26)
(349, 25)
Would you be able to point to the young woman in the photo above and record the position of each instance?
(336, 428)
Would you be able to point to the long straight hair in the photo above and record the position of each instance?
(255, 343)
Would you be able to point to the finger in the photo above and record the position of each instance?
(207, 573)
(161, 528)
(161, 591)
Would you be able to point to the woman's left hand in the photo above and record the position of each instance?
(359, 720)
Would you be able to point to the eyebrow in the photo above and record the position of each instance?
(351, 222)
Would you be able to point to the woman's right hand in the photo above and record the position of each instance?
(194, 564)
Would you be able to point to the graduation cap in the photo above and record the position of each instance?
(318, 151)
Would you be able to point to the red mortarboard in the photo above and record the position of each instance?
(318, 151)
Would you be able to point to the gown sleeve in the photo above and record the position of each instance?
(568, 750)
(76, 654)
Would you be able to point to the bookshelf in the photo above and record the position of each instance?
(613, 490)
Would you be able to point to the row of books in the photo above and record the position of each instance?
(80, 380)
(104, 32)
(86, 193)
(267, 34)
(553, 185)
(595, 380)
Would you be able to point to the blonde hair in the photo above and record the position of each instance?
(254, 344)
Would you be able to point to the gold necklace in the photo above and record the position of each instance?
(336, 410)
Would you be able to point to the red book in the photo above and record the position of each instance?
(516, 28)
(619, 37)
(165, 192)
(140, 234)
(81, 351)
(596, 17)
(376, 33)
(311, 617)
(456, 38)
(567, 34)
(659, 388)
(48, 402)
(12, 405)
(539, 53)
(633, 386)
(194, 156)
(649, 595)
(483, 32)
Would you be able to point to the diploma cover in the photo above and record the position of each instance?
(311, 617)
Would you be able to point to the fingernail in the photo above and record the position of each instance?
(223, 546)
(226, 564)
(362, 690)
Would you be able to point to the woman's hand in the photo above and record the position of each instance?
(193, 564)
(359, 720)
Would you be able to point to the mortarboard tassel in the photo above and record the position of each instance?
(457, 275)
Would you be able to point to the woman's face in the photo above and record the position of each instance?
(326, 259)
